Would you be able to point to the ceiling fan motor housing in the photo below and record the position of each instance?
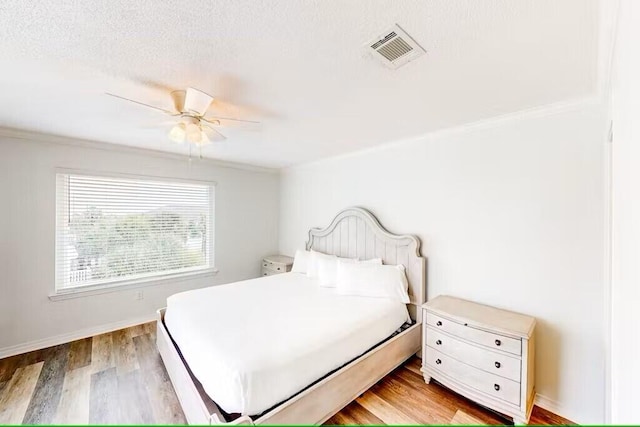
(196, 102)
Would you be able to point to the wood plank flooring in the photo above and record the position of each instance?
(119, 378)
(402, 397)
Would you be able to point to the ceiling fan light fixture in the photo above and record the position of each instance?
(193, 132)
(178, 133)
(204, 140)
(196, 101)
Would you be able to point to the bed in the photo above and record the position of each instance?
(319, 364)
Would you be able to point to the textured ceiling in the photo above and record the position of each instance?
(299, 67)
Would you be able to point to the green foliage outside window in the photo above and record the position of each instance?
(137, 243)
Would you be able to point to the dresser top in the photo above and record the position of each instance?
(280, 259)
(482, 316)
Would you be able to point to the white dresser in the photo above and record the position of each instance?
(481, 352)
(276, 264)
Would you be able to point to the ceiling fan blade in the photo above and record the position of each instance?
(213, 134)
(213, 119)
(178, 97)
(143, 104)
(159, 125)
(152, 84)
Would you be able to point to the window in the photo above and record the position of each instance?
(114, 230)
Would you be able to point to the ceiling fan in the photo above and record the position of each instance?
(192, 126)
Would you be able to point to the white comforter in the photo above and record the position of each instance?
(255, 343)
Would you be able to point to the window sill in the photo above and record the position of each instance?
(130, 284)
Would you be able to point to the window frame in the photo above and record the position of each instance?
(131, 283)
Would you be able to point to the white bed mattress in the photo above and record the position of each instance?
(255, 343)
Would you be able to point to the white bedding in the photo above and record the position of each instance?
(255, 343)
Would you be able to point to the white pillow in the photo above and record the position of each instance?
(314, 261)
(328, 269)
(372, 280)
(300, 262)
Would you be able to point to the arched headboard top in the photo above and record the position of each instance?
(356, 233)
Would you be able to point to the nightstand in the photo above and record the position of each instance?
(276, 264)
(481, 352)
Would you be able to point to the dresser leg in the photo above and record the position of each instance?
(427, 379)
(519, 421)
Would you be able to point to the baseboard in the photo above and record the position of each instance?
(545, 403)
(72, 336)
(556, 407)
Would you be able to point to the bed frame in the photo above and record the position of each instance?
(354, 232)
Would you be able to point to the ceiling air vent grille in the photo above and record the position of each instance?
(394, 47)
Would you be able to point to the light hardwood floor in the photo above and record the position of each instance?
(118, 378)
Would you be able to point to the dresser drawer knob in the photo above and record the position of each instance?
(438, 342)
(496, 387)
(438, 361)
(498, 365)
(438, 323)
(498, 343)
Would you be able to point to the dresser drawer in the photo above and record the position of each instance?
(485, 382)
(268, 272)
(487, 360)
(275, 266)
(488, 339)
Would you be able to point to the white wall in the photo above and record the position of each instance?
(510, 213)
(625, 289)
(246, 220)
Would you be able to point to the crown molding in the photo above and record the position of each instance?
(39, 137)
(536, 112)
(488, 123)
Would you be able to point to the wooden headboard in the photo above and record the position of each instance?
(356, 233)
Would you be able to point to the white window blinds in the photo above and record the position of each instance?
(114, 230)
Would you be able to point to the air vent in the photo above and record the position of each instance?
(394, 47)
